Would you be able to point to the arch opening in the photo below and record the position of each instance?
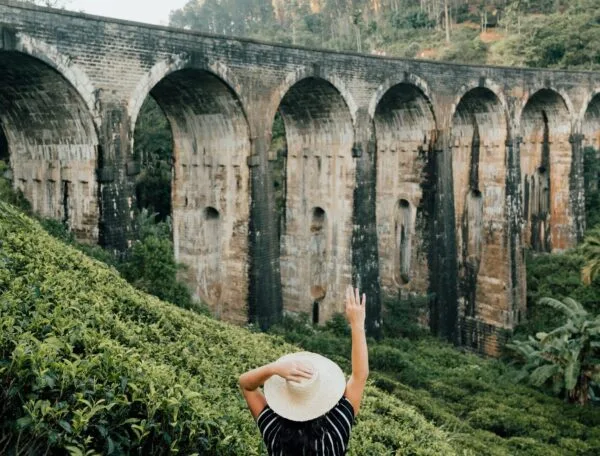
(591, 157)
(49, 141)
(546, 157)
(404, 126)
(153, 151)
(209, 189)
(591, 123)
(479, 171)
(319, 183)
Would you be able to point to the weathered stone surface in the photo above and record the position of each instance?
(406, 177)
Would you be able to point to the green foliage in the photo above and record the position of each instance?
(557, 275)
(403, 317)
(476, 400)
(7, 193)
(149, 264)
(465, 47)
(539, 33)
(411, 19)
(567, 359)
(590, 249)
(89, 365)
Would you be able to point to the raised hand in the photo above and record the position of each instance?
(355, 307)
(292, 371)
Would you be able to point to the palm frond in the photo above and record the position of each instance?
(558, 305)
(540, 375)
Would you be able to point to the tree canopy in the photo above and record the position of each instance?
(537, 33)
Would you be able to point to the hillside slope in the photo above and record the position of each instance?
(90, 365)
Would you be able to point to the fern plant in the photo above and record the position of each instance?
(568, 358)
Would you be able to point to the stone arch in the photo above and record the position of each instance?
(178, 62)
(408, 79)
(544, 88)
(485, 84)
(480, 132)
(316, 73)
(63, 64)
(51, 138)
(404, 129)
(546, 160)
(320, 173)
(211, 187)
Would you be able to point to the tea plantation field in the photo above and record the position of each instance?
(89, 365)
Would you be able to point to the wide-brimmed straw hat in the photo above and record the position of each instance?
(311, 397)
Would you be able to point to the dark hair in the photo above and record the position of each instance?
(299, 438)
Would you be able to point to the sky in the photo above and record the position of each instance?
(149, 11)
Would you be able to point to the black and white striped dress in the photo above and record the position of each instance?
(334, 441)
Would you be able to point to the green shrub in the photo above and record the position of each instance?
(402, 316)
(557, 275)
(8, 194)
(90, 365)
(384, 358)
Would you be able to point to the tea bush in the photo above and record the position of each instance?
(90, 365)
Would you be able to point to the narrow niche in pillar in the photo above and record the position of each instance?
(403, 234)
(66, 201)
(212, 241)
(318, 259)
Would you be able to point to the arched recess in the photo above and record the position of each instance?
(51, 142)
(591, 123)
(479, 171)
(590, 128)
(405, 126)
(320, 175)
(546, 157)
(210, 187)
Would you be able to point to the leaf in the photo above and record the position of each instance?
(540, 375)
(66, 426)
(24, 422)
(572, 371)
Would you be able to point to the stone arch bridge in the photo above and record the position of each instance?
(407, 177)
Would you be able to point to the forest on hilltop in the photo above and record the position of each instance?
(535, 33)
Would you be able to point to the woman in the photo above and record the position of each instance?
(307, 407)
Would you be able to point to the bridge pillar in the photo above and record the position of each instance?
(516, 254)
(116, 192)
(442, 252)
(264, 301)
(577, 185)
(365, 254)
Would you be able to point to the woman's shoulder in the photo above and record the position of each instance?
(265, 417)
(343, 411)
(345, 405)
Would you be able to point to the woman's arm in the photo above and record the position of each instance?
(355, 313)
(251, 381)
